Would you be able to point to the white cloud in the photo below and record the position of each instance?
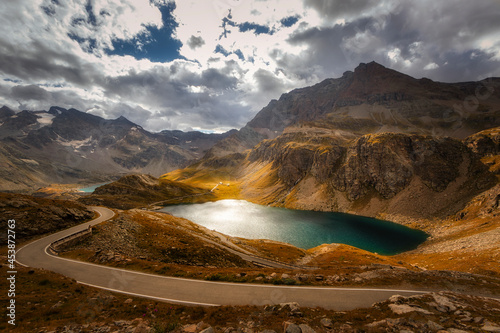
(44, 66)
(431, 65)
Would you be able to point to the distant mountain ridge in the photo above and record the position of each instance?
(375, 99)
(375, 141)
(69, 146)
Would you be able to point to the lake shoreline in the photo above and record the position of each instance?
(304, 229)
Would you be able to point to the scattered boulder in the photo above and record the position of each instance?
(404, 308)
(189, 328)
(306, 328)
(291, 327)
(327, 323)
(491, 327)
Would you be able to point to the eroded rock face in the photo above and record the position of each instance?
(385, 163)
(388, 162)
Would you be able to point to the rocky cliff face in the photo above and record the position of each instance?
(374, 174)
(486, 142)
(388, 162)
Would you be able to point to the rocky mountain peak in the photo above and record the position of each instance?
(371, 99)
(124, 121)
(55, 110)
(371, 66)
(374, 79)
(6, 112)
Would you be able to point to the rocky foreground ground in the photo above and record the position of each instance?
(69, 307)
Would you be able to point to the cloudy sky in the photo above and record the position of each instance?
(211, 65)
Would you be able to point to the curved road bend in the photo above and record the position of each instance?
(192, 292)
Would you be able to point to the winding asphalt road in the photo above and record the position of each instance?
(192, 292)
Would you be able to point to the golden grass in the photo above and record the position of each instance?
(493, 162)
(340, 256)
(274, 250)
(484, 262)
(208, 180)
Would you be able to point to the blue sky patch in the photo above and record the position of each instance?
(257, 28)
(220, 49)
(157, 45)
(289, 21)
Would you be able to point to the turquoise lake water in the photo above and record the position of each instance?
(304, 229)
(92, 188)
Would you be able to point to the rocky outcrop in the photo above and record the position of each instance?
(433, 312)
(384, 163)
(37, 216)
(485, 142)
(6, 112)
(388, 162)
(296, 155)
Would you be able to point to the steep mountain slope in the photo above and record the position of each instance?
(64, 146)
(410, 175)
(375, 99)
(375, 142)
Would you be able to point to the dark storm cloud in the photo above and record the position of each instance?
(326, 52)
(467, 66)
(407, 37)
(154, 87)
(267, 82)
(38, 62)
(212, 78)
(30, 92)
(169, 86)
(183, 96)
(195, 42)
(34, 97)
(339, 8)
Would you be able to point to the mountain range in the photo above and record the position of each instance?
(38, 148)
(374, 141)
(372, 134)
(375, 99)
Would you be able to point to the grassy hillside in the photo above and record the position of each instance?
(143, 190)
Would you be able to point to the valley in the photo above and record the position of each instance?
(374, 143)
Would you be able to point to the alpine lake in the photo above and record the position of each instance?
(304, 229)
